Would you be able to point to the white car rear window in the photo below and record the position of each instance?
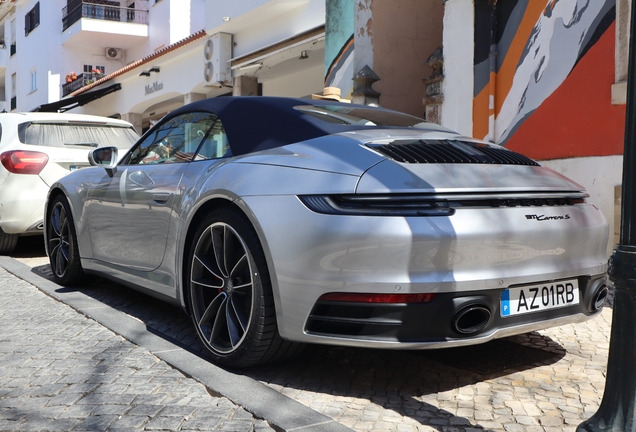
(76, 135)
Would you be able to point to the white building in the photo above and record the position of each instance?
(139, 59)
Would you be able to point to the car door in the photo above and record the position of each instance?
(130, 212)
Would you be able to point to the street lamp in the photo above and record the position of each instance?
(617, 412)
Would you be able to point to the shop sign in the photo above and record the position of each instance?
(156, 86)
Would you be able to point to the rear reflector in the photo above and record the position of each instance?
(377, 298)
(24, 162)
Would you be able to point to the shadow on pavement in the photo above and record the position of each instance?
(405, 382)
(29, 247)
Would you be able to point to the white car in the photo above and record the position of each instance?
(36, 150)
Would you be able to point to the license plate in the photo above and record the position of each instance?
(540, 297)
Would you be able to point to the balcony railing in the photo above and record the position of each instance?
(103, 12)
(81, 80)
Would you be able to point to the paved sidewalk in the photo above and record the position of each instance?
(61, 371)
(548, 381)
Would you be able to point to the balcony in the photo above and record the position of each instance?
(99, 23)
(103, 12)
(81, 80)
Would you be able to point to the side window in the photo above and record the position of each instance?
(174, 141)
(215, 145)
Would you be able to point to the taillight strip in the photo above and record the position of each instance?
(377, 298)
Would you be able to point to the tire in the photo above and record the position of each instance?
(61, 241)
(8, 242)
(230, 293)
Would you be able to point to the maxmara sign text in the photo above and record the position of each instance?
(155, 86)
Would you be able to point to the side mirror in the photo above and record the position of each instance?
(105, 157)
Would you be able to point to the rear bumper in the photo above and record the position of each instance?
(449, 319)
(22, 204)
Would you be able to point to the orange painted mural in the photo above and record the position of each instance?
(543, 76)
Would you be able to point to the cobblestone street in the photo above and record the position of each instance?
(63, 371)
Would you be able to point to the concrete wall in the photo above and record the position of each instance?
(457, 87)
(296, 84)
(405, 34)
(599, 175)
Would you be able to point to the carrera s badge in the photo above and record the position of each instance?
(542, 218)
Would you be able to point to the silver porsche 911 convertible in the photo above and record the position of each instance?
(276, 222)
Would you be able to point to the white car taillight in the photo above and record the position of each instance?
(24, 162)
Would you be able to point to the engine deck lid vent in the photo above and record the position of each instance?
(449, 152)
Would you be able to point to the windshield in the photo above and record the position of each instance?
(361, 116)
(77, 135)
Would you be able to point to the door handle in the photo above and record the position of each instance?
(161, 198)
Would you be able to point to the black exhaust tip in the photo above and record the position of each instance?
(599, 298)
(471, 319)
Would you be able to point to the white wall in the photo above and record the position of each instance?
(37, 51)
(458, 46)
(268, 23)
(363, 31)
(179, 20)
(170, 21)
(197, 15)
(216, 10)
(599, 175)
(296, 85)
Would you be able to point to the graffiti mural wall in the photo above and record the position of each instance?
(339, 45)
(543, 72)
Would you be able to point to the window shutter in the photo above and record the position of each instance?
(37, 15)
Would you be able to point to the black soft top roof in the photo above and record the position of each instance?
(255, 123)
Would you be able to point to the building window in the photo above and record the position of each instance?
(34, 80)
(12, 29)
(97, 69)
(14, 99)
(32, 19)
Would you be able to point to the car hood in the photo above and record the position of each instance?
(349, 153)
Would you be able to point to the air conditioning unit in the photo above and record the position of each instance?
(217, 52)
(113, 53)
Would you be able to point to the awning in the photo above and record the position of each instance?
(79, 100)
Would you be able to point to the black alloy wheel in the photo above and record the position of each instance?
(62, 243)
(231, 299)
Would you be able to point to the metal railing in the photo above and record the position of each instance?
(105, 12)
(81, 80)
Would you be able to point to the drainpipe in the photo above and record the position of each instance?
(617, 411)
